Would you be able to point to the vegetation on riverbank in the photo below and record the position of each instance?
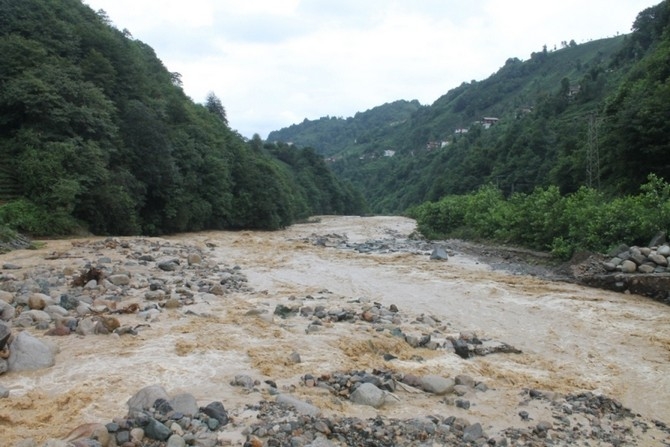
(546, 220)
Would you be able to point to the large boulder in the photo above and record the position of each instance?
(299, 405)
(144, 399)
(437, 384)
(27, 353)
(368, 394)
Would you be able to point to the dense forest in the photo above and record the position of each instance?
(594, 114)
(97, 135)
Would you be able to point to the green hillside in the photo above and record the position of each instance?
(96, 134)
(332, 136)
(593, 114)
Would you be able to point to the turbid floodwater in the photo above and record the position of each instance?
(572, 338)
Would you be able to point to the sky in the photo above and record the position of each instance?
(274, 63)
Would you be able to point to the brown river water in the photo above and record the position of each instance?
(573, 338)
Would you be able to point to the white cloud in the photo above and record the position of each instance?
(275, 62)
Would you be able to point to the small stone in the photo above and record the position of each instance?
(217, 411)
(156, 430)
(243, 380)
(4, 392)
(136, 435)
(173, 303)
(194, 259)
(664, 250)
(463, 403)
(294, 358)
(176, 441)
(628, 266)
(119, 280)
(38, 301)
(439, 254)
(168, 266)
(463, 379)
(5, 333)
(7, 297)
(68, 302)
(10, 266)
(473, 432)
(299, 405)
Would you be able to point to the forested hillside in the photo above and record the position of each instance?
(331, 135)
(594, 114)
(96, 134)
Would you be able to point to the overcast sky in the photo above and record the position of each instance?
(274, 63)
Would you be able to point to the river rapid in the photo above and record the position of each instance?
(572, 338)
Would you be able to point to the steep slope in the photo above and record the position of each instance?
(593, 114)
(332, 136)
(97, 134)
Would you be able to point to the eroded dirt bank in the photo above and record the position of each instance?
(571, 338)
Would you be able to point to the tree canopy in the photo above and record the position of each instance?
(96, 134)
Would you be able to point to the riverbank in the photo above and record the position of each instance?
(311, 312)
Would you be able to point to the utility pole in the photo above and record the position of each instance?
(593, 153)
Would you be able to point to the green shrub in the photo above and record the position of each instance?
(26, 217)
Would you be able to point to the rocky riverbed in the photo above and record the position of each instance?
(342, 331)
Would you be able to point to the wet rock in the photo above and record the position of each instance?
(463, 403)
(10, 266)
(437, 384)
(119, 280)
(217, 411)
(6, 297)
(7, 311)
(185, 404)
(68, 302)
(169, 266)
(368, 394)
(461, 348)
(466, 380)
(144, 399)
(4, 392)
(28, 353)
(473, 432)
(194, 259)
(439, 254)
(5, 333)
(294, 358)
(300, 406)
(176, 441)
(156, 430)
(285, 311)
(38, 301)
(244, 381)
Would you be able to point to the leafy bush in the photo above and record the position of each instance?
(26, 217)
(545, 220)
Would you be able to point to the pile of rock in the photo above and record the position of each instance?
(640, 260)
(376, 389)
(145, 279)
(424, 331)
(158, 420)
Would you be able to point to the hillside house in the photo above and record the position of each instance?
(389, 153)
(489, 121)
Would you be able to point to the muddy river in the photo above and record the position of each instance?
(572, 338)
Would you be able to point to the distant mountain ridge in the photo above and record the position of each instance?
(567, 117)
(333, 135)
